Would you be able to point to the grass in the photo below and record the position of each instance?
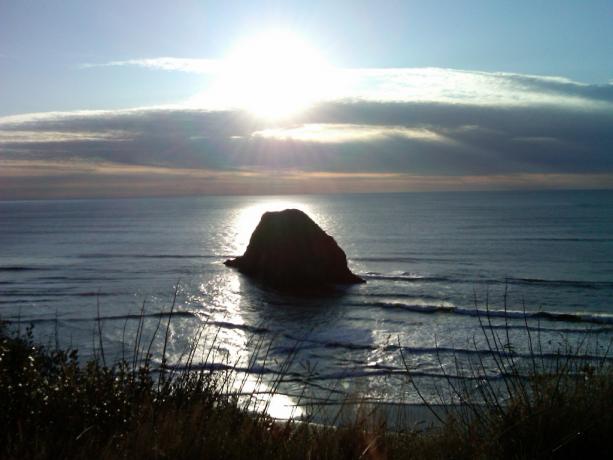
(546, 405)
(54, 406)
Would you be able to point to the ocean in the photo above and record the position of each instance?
(442, 270)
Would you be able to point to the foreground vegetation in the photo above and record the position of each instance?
(52, 406)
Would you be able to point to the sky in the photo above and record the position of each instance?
(157, 98)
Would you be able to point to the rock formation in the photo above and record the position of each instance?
(288, 250)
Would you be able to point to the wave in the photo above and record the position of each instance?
(502, 353)
(19, 268)
(299, 377)
(137, 316)
(575, 317)
(404, 259)
(288, 376)
(432, 351)
(409, 277)
(51, 293)
(357, 373)
(304, 340)
(401, 295)
(151, 256)
(559, 283)
(560, 330)
(597, 318)
(569, 239)
(241, 327)
(217, 367)
(128, 316)
(26, 301)
(415, 278)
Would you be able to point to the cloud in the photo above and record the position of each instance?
(466, 130)
(33, 137)
(467, 87)
(413, 84)
(336, 133)
(199, 66)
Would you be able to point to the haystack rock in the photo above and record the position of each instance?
(288, 250)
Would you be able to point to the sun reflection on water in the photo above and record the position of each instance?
(232, 325)
(230, 334)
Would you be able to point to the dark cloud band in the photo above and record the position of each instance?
(416, 138)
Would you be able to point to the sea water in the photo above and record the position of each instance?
(442, 271)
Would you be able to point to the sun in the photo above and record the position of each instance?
(274, 75)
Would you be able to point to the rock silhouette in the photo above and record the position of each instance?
(288, 250)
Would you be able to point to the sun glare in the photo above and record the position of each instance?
(274, 75)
